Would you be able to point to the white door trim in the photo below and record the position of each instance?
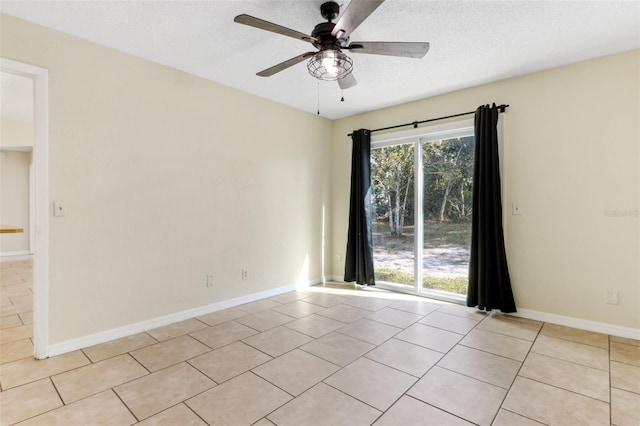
(40, 78)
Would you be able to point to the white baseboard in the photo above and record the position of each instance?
(598, 327)
(139, 327)
(15, 253)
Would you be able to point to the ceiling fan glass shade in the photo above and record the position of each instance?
(330, 64)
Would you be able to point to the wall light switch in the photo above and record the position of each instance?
(515, 209)
(60, 208)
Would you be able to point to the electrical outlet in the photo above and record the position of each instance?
(612, 297)
(245, 275)
(210, 280)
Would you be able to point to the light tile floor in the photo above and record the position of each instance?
(328, 355)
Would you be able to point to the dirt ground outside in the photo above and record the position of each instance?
(445, 255)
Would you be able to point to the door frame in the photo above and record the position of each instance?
(40, 77)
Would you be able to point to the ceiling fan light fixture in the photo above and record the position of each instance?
(329, 65)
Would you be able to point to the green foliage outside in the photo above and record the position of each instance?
(448, 177)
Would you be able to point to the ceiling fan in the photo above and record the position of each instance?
(329, 62)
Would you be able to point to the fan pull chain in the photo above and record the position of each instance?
(342, 98)
(318, 97)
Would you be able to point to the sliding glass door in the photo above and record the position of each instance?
(422, 207)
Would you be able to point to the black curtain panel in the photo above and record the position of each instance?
(489, 282)
(359, 257)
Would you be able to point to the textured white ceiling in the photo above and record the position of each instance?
(472, 42)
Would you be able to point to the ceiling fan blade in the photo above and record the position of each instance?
(284, 65)
(347, 82)
(274, 28)
(355, 13)
(391, 48)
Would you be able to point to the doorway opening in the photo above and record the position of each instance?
(39, 198)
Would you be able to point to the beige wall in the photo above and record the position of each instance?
(571, 162)
(14, 201)
(15, 134)
(168, 177)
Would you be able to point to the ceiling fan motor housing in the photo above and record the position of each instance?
(329, 63)
(322, 32)
(326, 40)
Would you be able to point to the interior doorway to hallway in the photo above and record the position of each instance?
(39, 202)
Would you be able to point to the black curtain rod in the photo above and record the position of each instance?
(415, 123)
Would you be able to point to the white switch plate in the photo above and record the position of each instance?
(60, 208)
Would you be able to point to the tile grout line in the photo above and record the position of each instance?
(518, 375)
(561, 359)
(113, 390)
